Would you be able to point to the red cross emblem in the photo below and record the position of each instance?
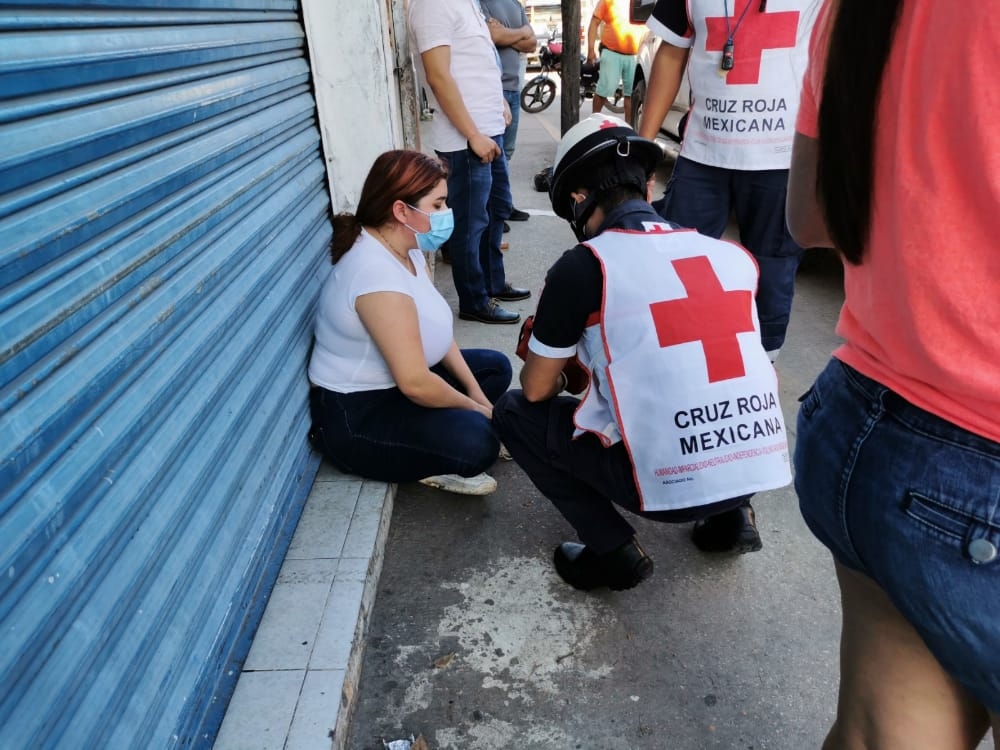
(758, 32)
(708, 314)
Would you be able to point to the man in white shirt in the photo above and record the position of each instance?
(458, 62)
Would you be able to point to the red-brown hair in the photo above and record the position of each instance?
(396, 175)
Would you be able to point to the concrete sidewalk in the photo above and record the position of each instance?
(298, 683)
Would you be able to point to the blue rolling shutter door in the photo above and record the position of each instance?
(163, 229)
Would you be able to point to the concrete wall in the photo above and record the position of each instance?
(360, 65)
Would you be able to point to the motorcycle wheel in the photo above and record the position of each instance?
(616, 103)
(538, 94)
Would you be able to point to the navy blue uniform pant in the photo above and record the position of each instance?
(582, 478)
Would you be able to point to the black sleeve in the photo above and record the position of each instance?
(572, 292)
(673, 14)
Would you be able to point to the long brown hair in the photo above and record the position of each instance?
(859, 45)
(396, 175)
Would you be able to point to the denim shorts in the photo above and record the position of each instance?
(913, 502)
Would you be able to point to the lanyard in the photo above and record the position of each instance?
(728, 59)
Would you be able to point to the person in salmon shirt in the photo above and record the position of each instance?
(896, 164)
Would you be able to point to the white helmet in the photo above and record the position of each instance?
(599, 153)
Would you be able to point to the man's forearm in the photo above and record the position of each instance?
(542, 377)
(453, 105)
(449, 98)
(662, 87)
(595, 24)
(528, 43)
(504, 37)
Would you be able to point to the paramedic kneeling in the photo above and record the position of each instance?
(656, 327)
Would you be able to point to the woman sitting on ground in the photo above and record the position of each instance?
(393, 398)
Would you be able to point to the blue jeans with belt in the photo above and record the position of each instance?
(701, 197)
(913, 502)
(479, 196)
(383, 435)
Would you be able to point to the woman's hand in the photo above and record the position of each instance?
(455, 363)
(485, 410)
(483, 404)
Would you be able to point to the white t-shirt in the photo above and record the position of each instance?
(459, 24)
(743, 119)
(345, 358)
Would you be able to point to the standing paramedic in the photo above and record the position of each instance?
(679, 419)
(744, 60)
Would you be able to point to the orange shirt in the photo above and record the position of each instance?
(922, 311)
(617, 33)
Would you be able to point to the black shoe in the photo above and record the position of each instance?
(492, 314)
(621, 569)
(506, 227)
(517, 214)
(512, 294)
(732, 531)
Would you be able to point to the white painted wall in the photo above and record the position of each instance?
(352, 50)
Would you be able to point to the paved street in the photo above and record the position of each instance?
(475, 643)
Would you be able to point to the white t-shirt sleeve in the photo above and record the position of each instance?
(431, 24)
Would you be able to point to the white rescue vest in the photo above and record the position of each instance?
(745, 118)
(678, 371)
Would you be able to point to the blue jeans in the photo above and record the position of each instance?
(383, 435)
(913, 502)
(701, 197)
(479, 196)
(510, 134)
(582, 478)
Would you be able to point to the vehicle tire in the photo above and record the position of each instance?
(538, 94)
(638, 99)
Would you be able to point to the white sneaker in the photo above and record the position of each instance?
(481, 484)
(505, 454)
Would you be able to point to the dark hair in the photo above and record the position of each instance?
(396, 175)
(614, 196)
(859, 44)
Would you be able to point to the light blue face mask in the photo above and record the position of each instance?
(442, 224)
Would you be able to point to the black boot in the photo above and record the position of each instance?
(731, 531)
(619, 569)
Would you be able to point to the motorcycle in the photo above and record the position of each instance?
(540, 91)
